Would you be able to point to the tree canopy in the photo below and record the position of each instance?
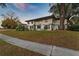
(10, 21)
(64, 11)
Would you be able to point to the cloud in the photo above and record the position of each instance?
(24, 6)
(21, 6)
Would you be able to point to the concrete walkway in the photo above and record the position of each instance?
(40, 48)
(37, 47)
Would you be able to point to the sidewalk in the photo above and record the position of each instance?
(36, 47)
(40, 48)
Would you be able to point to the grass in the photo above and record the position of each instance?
(7, 49)
(67, 39)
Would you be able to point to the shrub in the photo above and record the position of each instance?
(20, 28)
(74, 27)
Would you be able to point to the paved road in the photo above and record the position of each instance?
(40, 48)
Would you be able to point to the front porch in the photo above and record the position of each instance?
(47, 27)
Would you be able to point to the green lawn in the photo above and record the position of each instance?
(7, 49)
(68, 39)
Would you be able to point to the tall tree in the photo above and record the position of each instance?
(62, 16)
(10, 21)
(60, 10)
(64, 11)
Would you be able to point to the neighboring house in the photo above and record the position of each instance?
(44, 23)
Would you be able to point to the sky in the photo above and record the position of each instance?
(26, 11)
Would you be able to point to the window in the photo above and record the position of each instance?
(46, 20)
(28, 22)
(38, 26)
(32, 22)
(31, 27)
(47, 27)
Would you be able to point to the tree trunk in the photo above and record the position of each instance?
(62, 16)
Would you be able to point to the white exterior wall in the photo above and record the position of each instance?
(56, 24)
(65, 23)
(44, 22)
(30, 24)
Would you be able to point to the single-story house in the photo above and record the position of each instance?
(45, 23)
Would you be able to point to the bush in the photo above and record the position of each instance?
(74, 27)
(20, 28)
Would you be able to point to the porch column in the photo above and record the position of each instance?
(42, 27)
(50, 26)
